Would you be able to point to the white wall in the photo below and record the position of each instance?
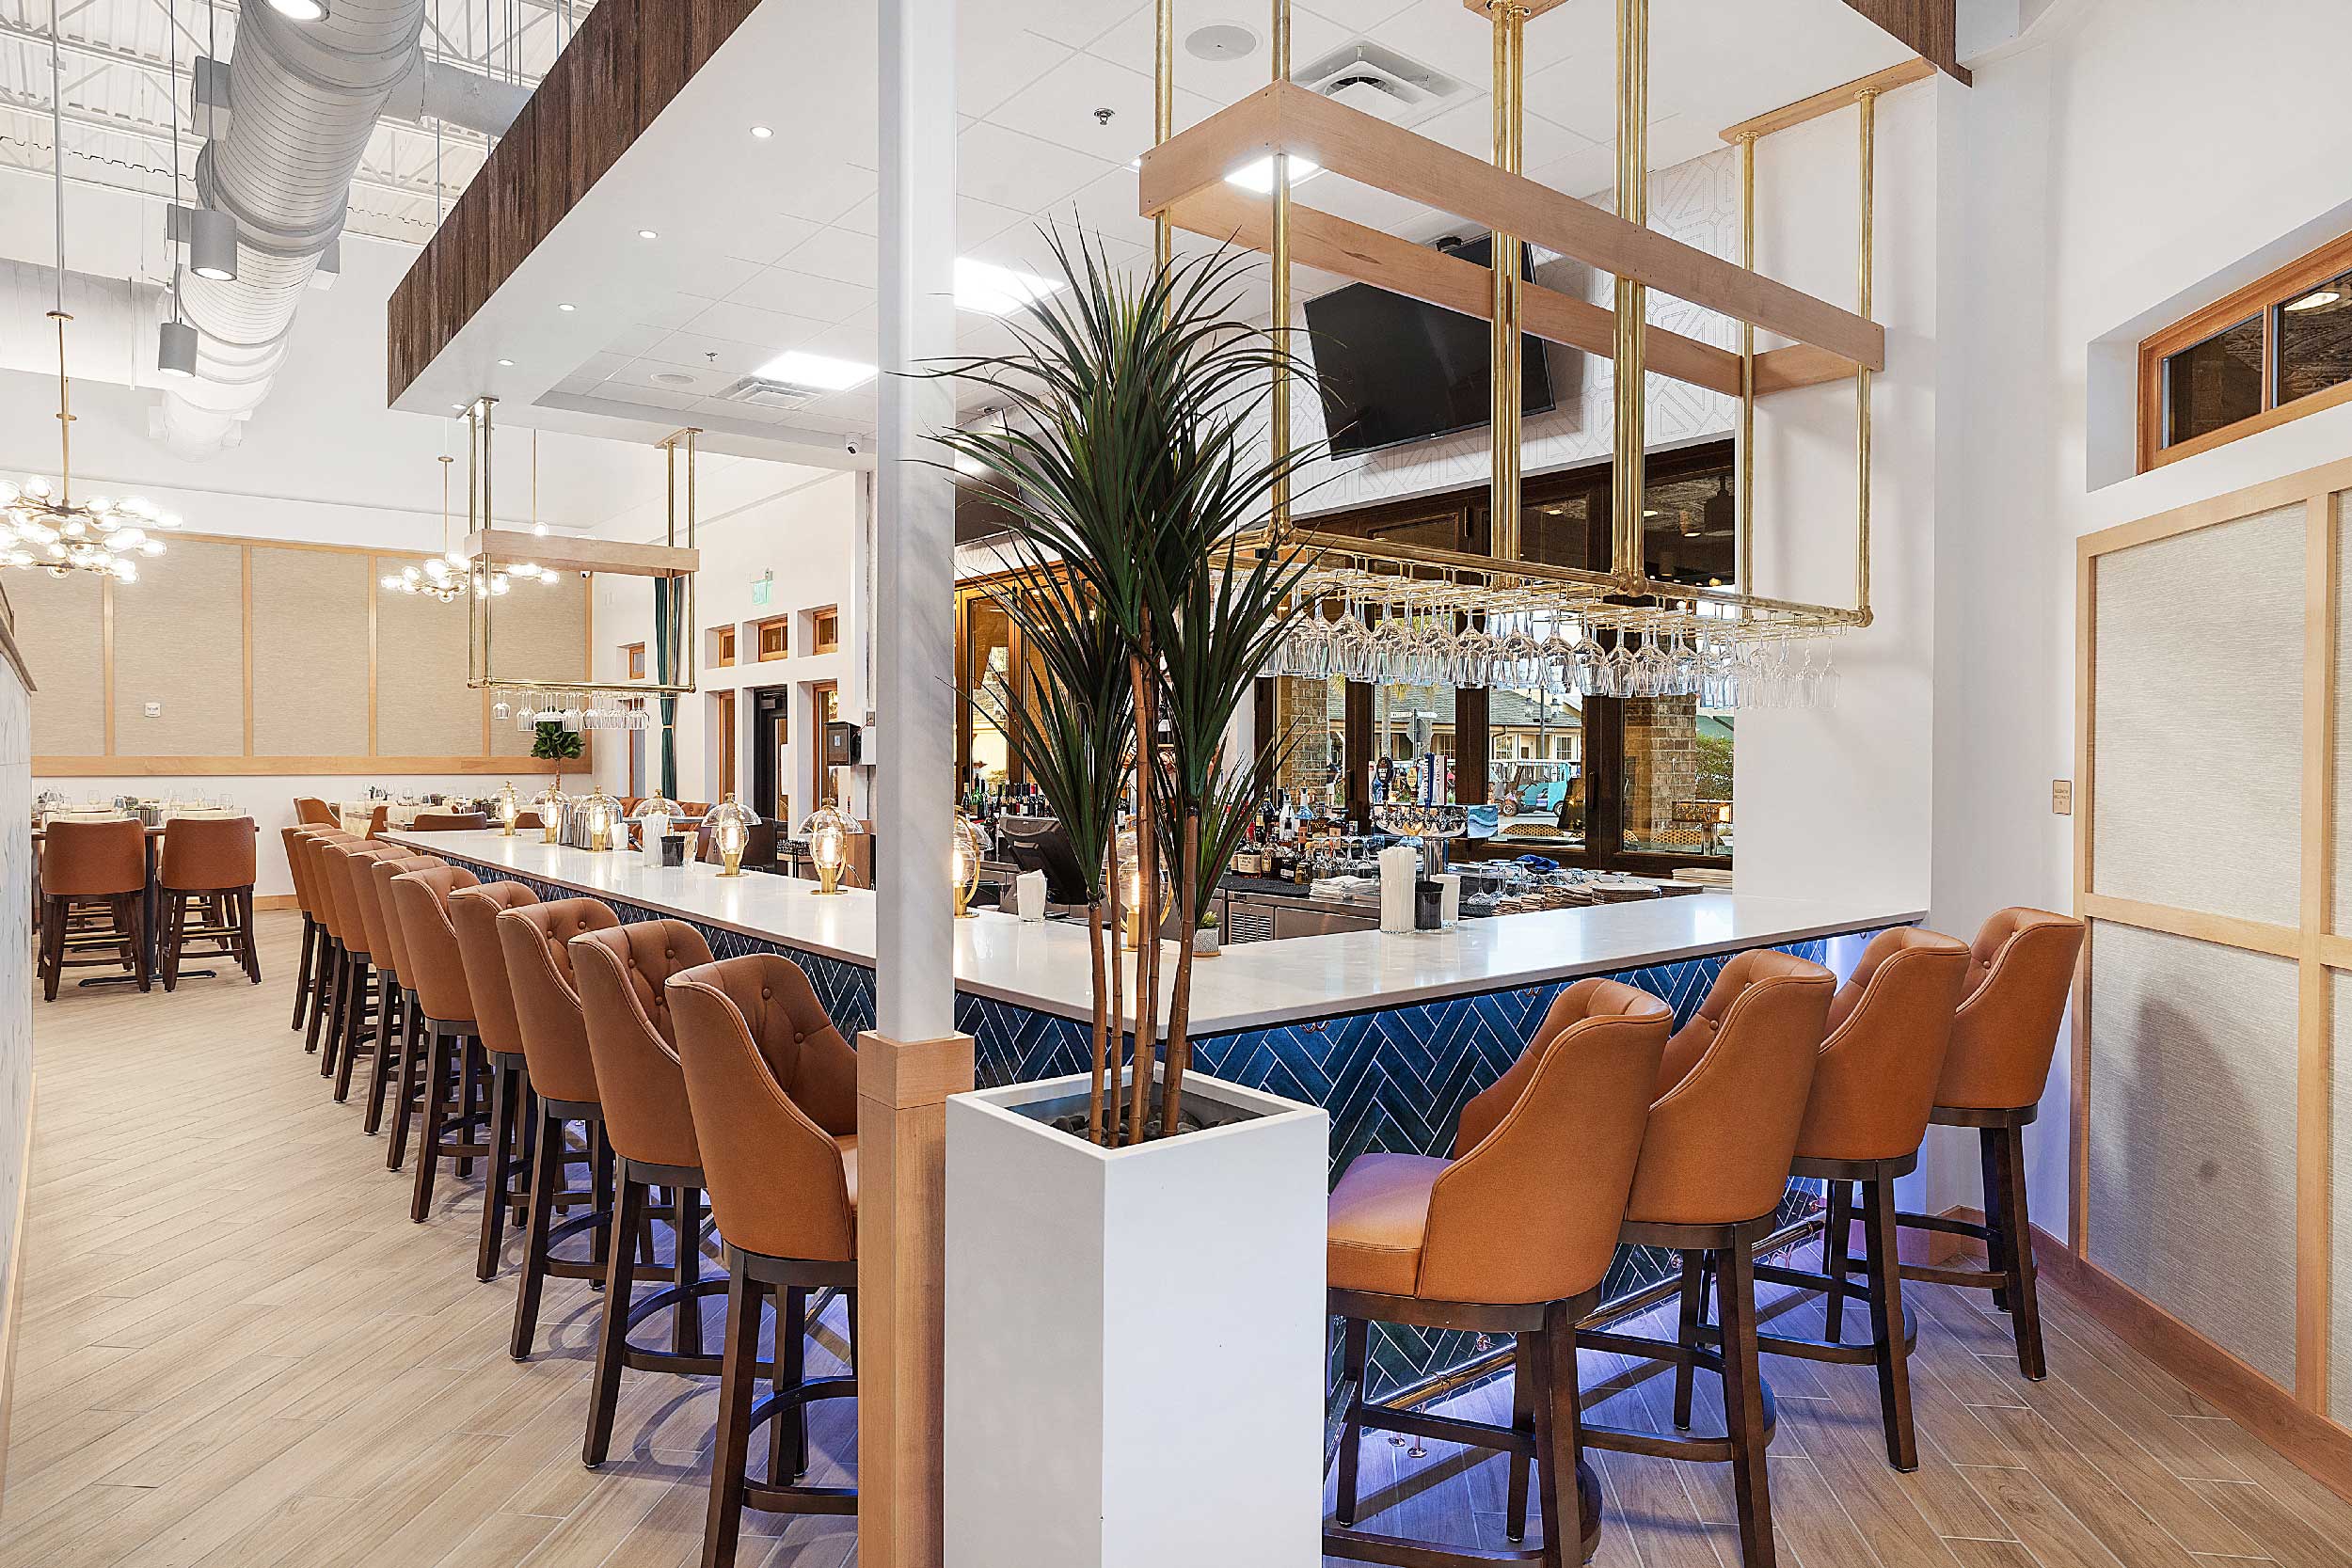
(2124, 166)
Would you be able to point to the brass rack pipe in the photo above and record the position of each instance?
(1163, 111)
(1746, 481)
(1868, 106)
(1281, 262)
(1503, 507)
(1629, 357)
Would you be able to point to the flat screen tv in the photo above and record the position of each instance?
(1395, 370)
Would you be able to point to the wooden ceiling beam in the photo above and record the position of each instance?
(1929, 28)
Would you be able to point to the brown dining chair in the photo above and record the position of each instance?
(1722, 1131)
(2021, 970)
(443, 1061)
(450, 821)
(633, 1038)
(210, 861)
(312, 812)
(94, 866)
(564, 1082)
(773, 1090)
(1873, 1084)
(396, 1000)
(1512, 1234)
(376, 821)
(473, 913)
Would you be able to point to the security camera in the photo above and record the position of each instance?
(850, 449)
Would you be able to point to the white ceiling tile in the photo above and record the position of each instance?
(649, 374)
(1063, 108)
(1108, 207)
(774, 330)
(693, 352)
(1075, 23)
(821, 189)
(801, 293)
(764, 237)
(843, 255)
(994, 63)
(692, 270)
(1011, 170)
(1224, 81)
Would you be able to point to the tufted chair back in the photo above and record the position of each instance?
(2020, 970)
(434, 972)
(473, 913)
(633, 1035)
(546, 998)
(1874, 1081)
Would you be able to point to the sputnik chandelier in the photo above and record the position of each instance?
(46, 526)
(446, 577)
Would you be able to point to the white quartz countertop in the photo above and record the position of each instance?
(1248, 986)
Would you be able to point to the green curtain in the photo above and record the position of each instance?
(667, 597)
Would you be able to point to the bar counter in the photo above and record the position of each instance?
(1390, 1034)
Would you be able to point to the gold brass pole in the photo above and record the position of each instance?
(1510, 20)
(1163, 111)
(65, 412)
(1868, 105)
(1280, 260)
(1747, 371)
(1632, 301)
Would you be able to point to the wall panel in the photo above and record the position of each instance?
(179, 641)
(540, 631)
(422, 707)
(309, 653)
(2192, 1178)
(2198, 719)
(2339, 1226)
(60, 623)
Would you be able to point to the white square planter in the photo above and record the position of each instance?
(1136, 1337)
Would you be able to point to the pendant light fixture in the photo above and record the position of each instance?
(45, 526)
(445, 578)
(212, 232)
(175, 354)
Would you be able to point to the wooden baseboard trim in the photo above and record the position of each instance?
(277, 901)
(12, 1309)
(2309, 1441)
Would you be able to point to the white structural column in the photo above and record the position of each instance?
(913, 1060)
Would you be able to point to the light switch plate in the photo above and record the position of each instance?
(153, 710)
(2063, 797)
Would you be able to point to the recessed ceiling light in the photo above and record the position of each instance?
(508, 364)
(816, 371)
(993, 290)
(673, 378)
(567, 307)
(1258, 175)
(2317, 299)
(1221, 41)
(647, 234)
(762, 132)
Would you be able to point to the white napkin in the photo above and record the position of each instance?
(1400, 867)
(1029, 895)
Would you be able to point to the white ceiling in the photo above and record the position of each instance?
(766, 246)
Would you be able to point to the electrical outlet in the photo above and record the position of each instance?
(2063, 797)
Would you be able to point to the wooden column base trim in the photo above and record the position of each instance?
(12, 1309)
(2305, 1438)
(902, 1090)
(278, 902)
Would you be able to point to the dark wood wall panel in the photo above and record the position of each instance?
(628, 62)
(1929, 27)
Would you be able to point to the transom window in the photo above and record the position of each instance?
(2274, 351)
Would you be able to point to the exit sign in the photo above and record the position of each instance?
(760, 585)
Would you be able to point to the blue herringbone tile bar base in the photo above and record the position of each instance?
(1394, 1080)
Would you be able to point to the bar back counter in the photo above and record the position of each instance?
(1390, 1034)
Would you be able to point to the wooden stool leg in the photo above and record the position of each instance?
(547, 1170)
(306, 974)
(1694, 1316)
(1559, 1438)
(252, 953)
(1836, 1237)
(1995, 1222)
(389, 1054)
(685, 1269)
(52, 919)
(1354, 1337)
(175, 926)
(338, 1020)
(2024, 1310)
(787, 1435)
(321, 994)
(620, 1281)
(731, 1452)
(495, 1194)
(1886, 1324)
(1743, 1403)
(437, 1092)
(143, 953)
(412, 1063)
(1525, 1380)
(600, 1237)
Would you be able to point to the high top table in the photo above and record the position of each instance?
(1392, 1035)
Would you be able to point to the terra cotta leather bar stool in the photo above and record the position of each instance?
(353, 1021)
(564, 1082)
(773, 1090)
(1873, 1082)
(370, 882)
(211, 862)
(1512, 1234)
(93, 863)
(2020, 968)
(309, 811)
(390, 1071)
(633, 1039)
(1731, 1095)
(474, 912)
(450, 821)
(310, 854)
(443, 1055)
(306, 974)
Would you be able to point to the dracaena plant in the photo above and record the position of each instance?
(1131, 466)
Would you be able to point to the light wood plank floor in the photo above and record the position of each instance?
(237, 1351)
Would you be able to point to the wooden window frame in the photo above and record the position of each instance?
(782, 626)
(824, 629)
(2261, 297)
(723, 652)
(633, 661)
(723, 718)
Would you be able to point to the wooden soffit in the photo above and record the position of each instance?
(628, 62)
(1930, 28)
(1184, 178)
